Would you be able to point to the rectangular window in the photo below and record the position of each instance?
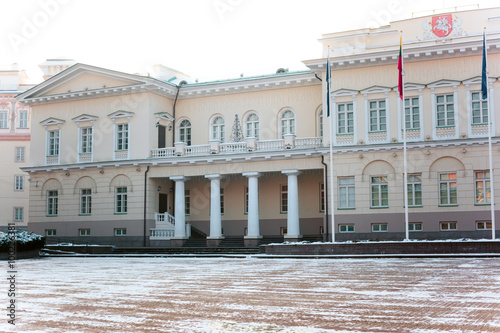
(483, 225)
(379, 192)
(479, 109)
(414, 190)
(412, 113)
(19, 154)
(483, 187)
(345, 115)
(4, 119)
(448, 189)
(378, 121)
(18, 214)
(346, 193)
(346, 228)
(445, 110)
(22, 121)
(18, 182)
(222, 200)
(379, 227)
(85, 201)
(84, 232)
(284, 199)
(416, 226)
(448, 226)
(50, 232)
(52, 203)
(122, 137)
(120, 232)
(321, 197)
(245, 191)
(86, 140)
(53, 143)
(187, 201)
(121, 200)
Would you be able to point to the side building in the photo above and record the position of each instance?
(140, 161)
(14, 148)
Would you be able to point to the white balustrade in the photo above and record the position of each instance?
(445, 132)
(85, 157)
(308, 142)
(163, 152)
(161, 234)
(345, 139)
(233, 147)
(52, 160)
(198, 150)
(479, 130)
(121, 154)
(268, 145)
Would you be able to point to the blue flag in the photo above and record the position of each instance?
(484, 78)
(328, 85)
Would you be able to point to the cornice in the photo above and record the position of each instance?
(249, 85)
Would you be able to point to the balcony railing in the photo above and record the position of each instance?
(249, 145)
(85, 157)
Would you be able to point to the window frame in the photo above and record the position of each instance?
(20, 153)
(18, 217)
(485, 225)
(121, 200)
(85, 201)
(120, 232)
(448, 224)
(486, 187)
(483, 108)
(346, 196)
(349, 117)
(412, 184)
(53, 143)
(411, 114)
(380, 227)
(218, 130)
(252, 126)
(21, 120)
(185, 127)
(411, 226)
(86, 140)
(122, 137)
(187, 201)
(346, 228)
(287, 124)
(84, 232)
(380, 120)
(383, 187)
(52, 202)
(448, 122)
(18, 183)
(4, 119)
(283, 198)
(448, 183)
(50, 232)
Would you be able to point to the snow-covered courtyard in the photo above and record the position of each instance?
(257, 295)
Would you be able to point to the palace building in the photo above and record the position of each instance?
(159, 160)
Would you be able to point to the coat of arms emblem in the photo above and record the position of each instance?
(442, 25)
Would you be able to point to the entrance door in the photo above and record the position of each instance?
(163, 203)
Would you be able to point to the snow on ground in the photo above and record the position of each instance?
(256, 295)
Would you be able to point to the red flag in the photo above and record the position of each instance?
(400, 68)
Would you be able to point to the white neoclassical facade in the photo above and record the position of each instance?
(133, 160)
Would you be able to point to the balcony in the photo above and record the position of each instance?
(249, 145)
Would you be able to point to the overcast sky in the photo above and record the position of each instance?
(206, 39)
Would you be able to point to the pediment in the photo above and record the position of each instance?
(52, 121)
(344, 92)
(375, 90)
(120, 114)
(82, 78)
(443, 83)
(84, 117)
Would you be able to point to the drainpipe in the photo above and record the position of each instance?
(326, 197)
(145, 197)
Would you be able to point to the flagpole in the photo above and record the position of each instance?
(405, 163)
(330, 115)
(484, 88)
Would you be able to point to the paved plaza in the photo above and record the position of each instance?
(257, 295)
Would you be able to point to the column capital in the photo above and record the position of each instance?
(291, 172)
(214, 176)
(179, 178)
(251, 174)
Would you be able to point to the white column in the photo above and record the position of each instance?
(215, 216)
(293, 227)
(180, 207)
(253, 205)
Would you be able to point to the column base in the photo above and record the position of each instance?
(251, 241)
(177, 241)
(214, 241)
(293, 238)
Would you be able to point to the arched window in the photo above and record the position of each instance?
(287, 122)
(185, 132)
(252, 126)
(218, 129)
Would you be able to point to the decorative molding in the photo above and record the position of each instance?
(52, 121)
(84, 117)
(121, 114)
